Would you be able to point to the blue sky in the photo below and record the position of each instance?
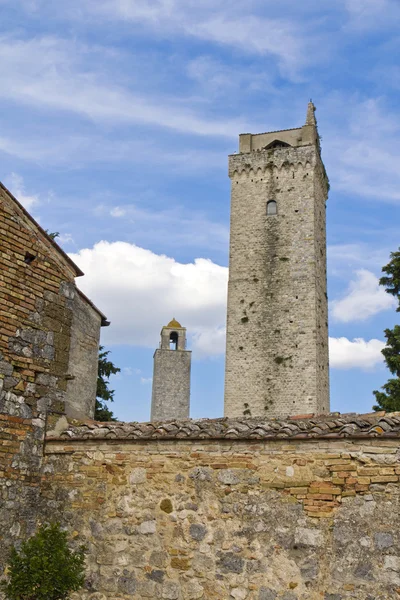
(116, 119)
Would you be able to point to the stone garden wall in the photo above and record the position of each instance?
(244, 509)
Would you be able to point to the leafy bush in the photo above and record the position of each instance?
(45, 568)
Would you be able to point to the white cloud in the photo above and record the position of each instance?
(174, 227)
(372, 14)
(345, 257)
(140, 291)
(60, 148)
(355, 354)
(16, 185)
(146, 380)
(65, 238)
(364, 298)
(51, 73)
(117, 212)
(360, 142)
(235, 24)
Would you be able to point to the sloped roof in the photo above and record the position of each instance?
(303, 427)
(57, 248)
(104, 320)
(174, 324)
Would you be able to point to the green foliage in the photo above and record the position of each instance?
(389, 398)
(53, 235)
(45, 568)
(103, 393)
(391, 280)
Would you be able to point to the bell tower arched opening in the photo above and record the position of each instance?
(173, 340)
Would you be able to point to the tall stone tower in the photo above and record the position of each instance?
(171, 375)
(277, 324)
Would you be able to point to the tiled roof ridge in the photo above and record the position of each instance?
(332, 425)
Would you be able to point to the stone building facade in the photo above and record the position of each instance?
(48, 359)
(171, 375)
(277, 319)
(49, 330)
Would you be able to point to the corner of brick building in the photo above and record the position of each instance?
(37, 300)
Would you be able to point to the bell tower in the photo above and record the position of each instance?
(277, 319)
(171, 375)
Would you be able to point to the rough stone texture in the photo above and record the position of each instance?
(83, 357)
(36, 323)
(277, 329)
(256, 517)
(21, 447)
(295, 509)
(171, 377)
(41, 311)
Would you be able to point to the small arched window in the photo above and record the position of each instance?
(271, 207)
(277, 144)
(173, 341)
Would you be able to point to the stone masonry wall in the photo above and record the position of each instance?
(171, 384)
(277, 334)
(80, 398)
(36, 286)
(245, 519)
(20, 462)
(321, 296)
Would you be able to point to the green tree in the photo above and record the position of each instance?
(53, 235)
(389, 398)
(45, 568)
(104, 394)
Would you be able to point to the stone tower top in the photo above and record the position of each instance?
(311, 120)
(300, 136)
(175, 324)
(171, 376)
(173, 336)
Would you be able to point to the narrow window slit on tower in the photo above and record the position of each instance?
(29, 258)
(271, 207)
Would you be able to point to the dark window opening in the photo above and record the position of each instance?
(277, 144)
(271, 207)
(173, 341)
(29, 258)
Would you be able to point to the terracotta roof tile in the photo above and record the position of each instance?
(330, 426)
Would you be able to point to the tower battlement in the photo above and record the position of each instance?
(297, 137)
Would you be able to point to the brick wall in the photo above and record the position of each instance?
(36, 282)
(36, 294)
